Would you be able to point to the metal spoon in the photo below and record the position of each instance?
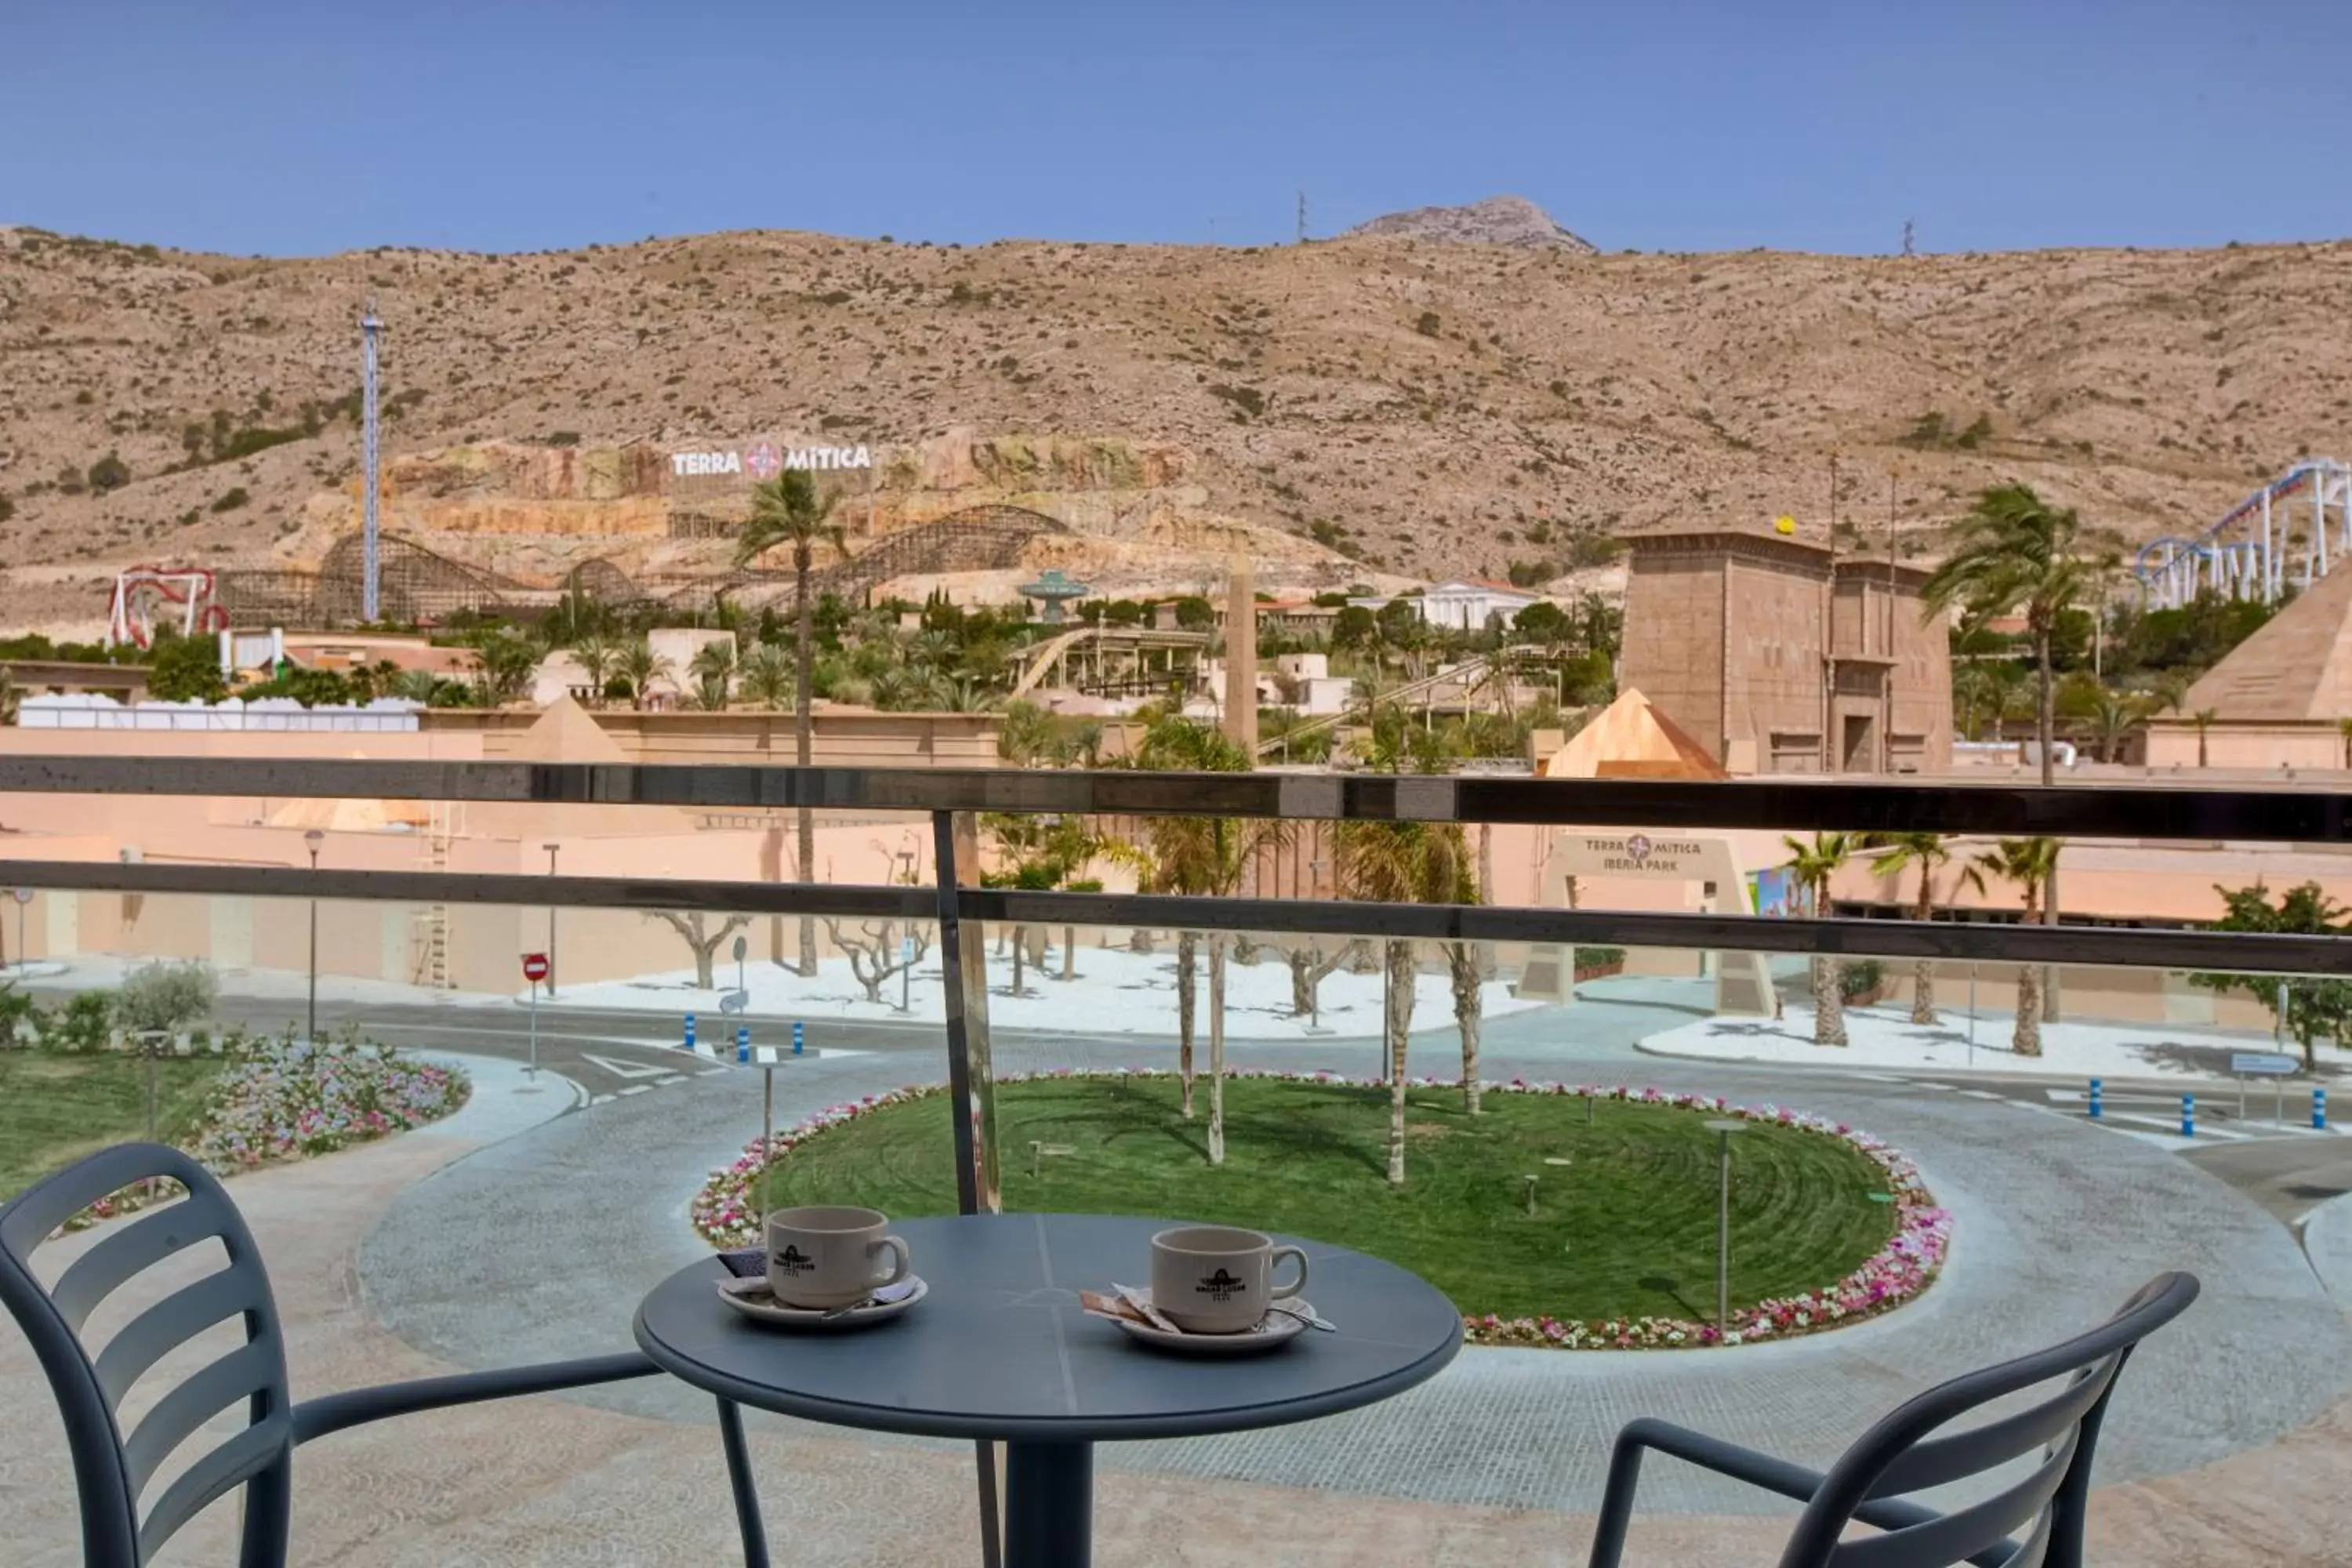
(1309, 1318)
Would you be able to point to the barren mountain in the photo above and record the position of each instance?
(1497, 220)
(1434, 409)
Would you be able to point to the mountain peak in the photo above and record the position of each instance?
(1497, 220)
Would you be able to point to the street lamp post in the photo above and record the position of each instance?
(1723, 1129)
(550, 850)
(313, 839)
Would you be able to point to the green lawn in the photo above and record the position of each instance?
(1628, 1227)
(54, 1107)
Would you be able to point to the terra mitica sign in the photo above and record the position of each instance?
(763, 460)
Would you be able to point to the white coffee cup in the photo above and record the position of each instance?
(1217, 1280)
(824, 1258)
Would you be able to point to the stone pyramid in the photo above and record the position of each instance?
(1630, 740)
(2297, 667)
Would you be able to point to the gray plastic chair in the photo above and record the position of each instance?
(111, 1471)
(1898, 1456)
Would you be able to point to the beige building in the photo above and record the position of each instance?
(1782, 657)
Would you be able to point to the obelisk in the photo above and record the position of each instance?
(1241, 656)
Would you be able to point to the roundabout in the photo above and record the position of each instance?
(1576, 1217)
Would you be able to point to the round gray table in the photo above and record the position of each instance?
(1000, 1351)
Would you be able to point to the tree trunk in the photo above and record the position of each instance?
(1829, 1003)
(804, 729)
(2045, 712)
(2027, 1039)
(1462, 968)
(1019, 948)
(1398, 1026)
(1187, 944)
(1923, 973)
(1217, 1049)
(1069, 952)
(1302, 989)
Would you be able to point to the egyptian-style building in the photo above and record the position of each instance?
(1781, 656)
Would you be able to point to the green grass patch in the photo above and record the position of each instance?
(1626, 1228)
(55, 1107)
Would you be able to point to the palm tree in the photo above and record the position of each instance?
(2014, 552)
(1199, 856)
(2109, 722)
(1896, 852)
(2344, 728)
(713, 668)
(598, 656)
(1404, 862)
(1975, 688)
(789, 509)
(2203, 719)
(2033, 865)
(767, 677)
(641, 667)
(1813, 864)
(10, 698)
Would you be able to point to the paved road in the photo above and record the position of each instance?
(616, 1052)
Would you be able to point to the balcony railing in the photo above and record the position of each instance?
(961, 911)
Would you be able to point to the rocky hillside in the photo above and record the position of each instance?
(1426, 407)
(1497, 220)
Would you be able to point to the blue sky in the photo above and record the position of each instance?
(265, 127)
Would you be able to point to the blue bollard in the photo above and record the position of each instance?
(2095, 1099)
(690, 1031)
(797, 1032)
(2319, 1110)
(743, 1044)
(2189, 1116)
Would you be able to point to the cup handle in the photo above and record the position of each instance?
(1284, 1292)
(900, 1261)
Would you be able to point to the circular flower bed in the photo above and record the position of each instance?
(296, 1100)
(724, 1213)
(286, 1101)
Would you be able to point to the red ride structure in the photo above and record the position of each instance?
(144, 593)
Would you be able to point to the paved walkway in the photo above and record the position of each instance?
(399, 1260)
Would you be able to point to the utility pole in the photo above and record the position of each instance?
(371, 461)
(1302, 217)
(1910, 250)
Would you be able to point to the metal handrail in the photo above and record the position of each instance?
(2267, 815)
(1984, 941)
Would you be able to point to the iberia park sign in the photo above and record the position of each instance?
(762, 462)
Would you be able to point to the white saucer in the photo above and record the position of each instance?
(1276, 1328)
(752, 1297)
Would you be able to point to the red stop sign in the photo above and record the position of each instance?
(534, 966)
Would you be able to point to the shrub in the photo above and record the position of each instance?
(1860, 978)
(230, 499)
(159, 998)
(185, 669)
(108, 473)
(81, 1025)
(1428, 326)
(1248, 402)
(16, 1008)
